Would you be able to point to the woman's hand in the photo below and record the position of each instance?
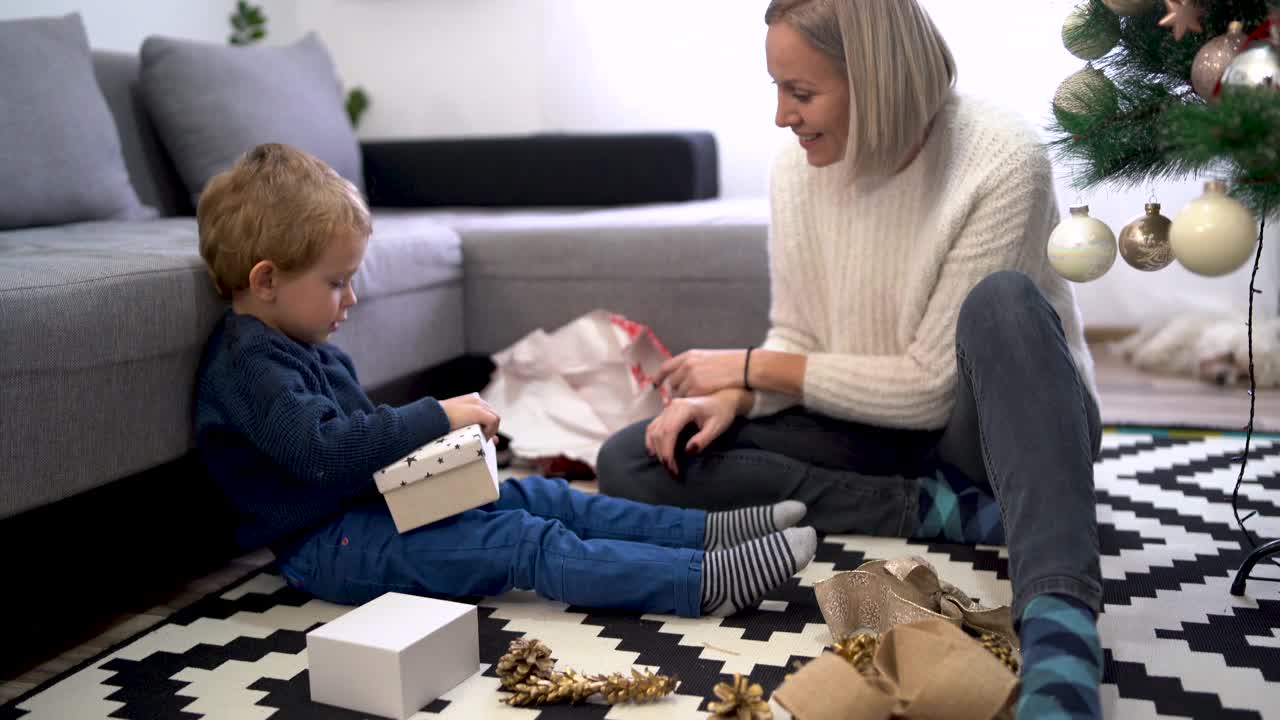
(712, 414)
(471, 409)
(702, 372)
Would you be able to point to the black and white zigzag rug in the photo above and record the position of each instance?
(1178, 644)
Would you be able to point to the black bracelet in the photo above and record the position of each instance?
(746, 367)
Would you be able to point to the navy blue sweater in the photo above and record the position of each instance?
(289, 435)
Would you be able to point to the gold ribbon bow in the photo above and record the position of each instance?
(927, 670)
(881, 594)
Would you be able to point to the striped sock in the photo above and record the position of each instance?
(953, 509)
(739, 577)
(734, 527)
(1061, 660)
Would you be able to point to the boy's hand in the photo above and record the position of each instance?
(470, 409)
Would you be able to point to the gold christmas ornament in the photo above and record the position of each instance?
(1094, 45)
(1183, 17)
(1144, 242)
(1082, 249)
(1081, 96)
(743, 700)
(1214, 234)
(1129, 7)
(1214, 59)
(1259, 66)
(525, 670)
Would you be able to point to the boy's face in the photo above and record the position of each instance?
(312, 303)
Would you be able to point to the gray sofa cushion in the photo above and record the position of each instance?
(60, 158)
(152, 172)
(211, 103)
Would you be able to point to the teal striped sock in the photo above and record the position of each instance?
(954, 510)
(1061, 660)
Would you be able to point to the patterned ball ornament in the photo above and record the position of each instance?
(1214, 59)
(1144, 242)
(1082, 249)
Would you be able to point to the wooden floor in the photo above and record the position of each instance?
(1128, 397)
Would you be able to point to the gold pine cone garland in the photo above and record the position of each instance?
(526, 672)
(524, 658)
(743, 700)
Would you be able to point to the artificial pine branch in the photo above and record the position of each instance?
(1150, 127)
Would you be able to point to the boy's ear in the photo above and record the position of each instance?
(263, 280)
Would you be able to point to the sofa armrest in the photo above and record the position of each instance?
(542, 170)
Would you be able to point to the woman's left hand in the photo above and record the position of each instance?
(695, 373)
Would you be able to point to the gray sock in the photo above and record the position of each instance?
(739, 577)
(733, 527)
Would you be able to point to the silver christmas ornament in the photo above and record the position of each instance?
(1258, 66)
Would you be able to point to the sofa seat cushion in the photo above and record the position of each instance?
(96, 293)
(408, 253)
(696, 272)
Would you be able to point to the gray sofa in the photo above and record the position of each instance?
(102, 323)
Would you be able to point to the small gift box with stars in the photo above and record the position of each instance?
(446, 476)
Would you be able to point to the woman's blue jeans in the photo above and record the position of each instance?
(1024, 428)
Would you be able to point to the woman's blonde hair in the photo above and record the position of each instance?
(275, 203)
(898, 65)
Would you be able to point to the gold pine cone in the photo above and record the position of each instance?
(638, 688)
(525, 658)
(743, 700)
(859, 650)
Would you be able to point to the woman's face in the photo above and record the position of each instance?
(813, 94)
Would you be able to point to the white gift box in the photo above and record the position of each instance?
(446, 476)
(393, 655)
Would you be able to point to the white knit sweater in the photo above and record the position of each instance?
(867, 280)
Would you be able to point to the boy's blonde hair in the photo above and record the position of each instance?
(898, 65)
(275, 203)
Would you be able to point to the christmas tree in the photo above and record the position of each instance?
(1153, 105)
(1175, 89)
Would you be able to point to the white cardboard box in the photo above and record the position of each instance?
(393, 655)
(446, 476)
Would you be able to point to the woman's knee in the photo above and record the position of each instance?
(619, 460)
(1002, 300)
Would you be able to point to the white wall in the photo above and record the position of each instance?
(117, 25)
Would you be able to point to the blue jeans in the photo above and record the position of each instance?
(1024, 429)
(567, 545)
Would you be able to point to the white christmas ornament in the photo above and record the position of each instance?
(1214, 234)
(1082, 248)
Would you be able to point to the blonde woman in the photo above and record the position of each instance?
(925, 373)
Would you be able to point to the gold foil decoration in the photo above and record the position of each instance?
(882, 594)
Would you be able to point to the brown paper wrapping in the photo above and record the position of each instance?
(925, 670)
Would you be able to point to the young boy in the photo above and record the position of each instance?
(288, 434)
